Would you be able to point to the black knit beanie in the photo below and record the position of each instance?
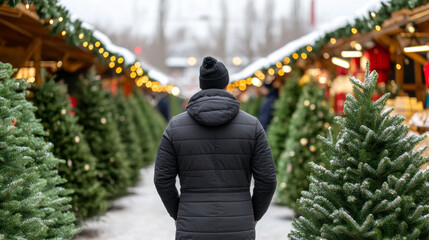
(213, 74)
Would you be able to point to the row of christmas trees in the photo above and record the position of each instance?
(57, 163)
(362, 180)
(301, 113)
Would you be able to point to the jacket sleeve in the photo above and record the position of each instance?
(264, 173)
(166, 172)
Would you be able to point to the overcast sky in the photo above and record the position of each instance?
(142, 14)
(132, 23)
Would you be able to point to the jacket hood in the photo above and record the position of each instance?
(213, 107)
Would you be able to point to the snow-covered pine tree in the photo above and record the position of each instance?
(372, 187)
(33, 203)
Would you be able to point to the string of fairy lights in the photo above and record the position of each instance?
(373, 22)
(58, 19)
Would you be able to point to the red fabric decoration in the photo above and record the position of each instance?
(426, 70)
(340, 98)
(341, 71)
(378, 57)
(73, 103)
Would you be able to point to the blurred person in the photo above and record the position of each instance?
(267, 107)
(215, 149)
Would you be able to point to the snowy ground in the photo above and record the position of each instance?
(141, 216)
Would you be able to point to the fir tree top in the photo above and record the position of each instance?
(372, 187)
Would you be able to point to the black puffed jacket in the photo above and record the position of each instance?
(215, 149)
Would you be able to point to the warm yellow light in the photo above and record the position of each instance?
(286, 60)
(242, 87)
(295, 56)
(81, 35)
(279, 64)
(304, 55)
(64, 32)
(105, 54)
(101, 50)
(85, 44)
(133, 75)
(118, 70)
(60, 19)
(398, 66)
(249, 81)
(354, 30)
(148, 84)
(237, 61)
(373, 14)
(120, 60)
(411, 28)
(326, 55)
(139, 82)
(51, 21)
(90, 47)
(421, 48)
(309, 48)
(133, 68)
(333, 40)
(191, 61)
(340, 62)
(281, 72)
(97, 44)
(145, 78)
(137, 64)
(27, 6)
(351, 54)
(377, 27)
(111, 64)
(139, 71)
(256, 82)
(271, 71)
(112, 58)
(287, 68)
(59, 64)
(175, 91)
(358, 46)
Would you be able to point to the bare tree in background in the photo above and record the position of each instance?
(248, 32)
(158, 49)
(268, 46)
(220, 44)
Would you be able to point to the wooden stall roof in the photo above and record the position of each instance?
(24, 37)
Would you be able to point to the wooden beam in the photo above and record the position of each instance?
(32, 14)
(16, 28)
(37, 59)
(31, 49)
(416, 57)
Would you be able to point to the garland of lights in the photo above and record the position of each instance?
(372, 21)
(58, 19)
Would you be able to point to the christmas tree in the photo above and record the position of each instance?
(101, 131)
(284, 108)
(33, 203)
(155, 124)
(311, 118)
(372, 187)
(128, 131)
(69, 143)
(175, 104)
(142, 129)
